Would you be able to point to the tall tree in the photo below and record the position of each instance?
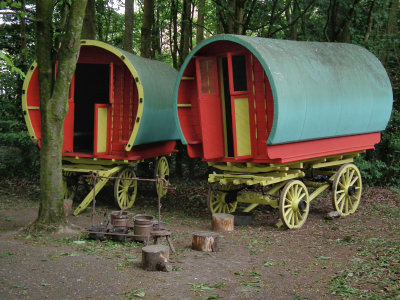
(89, 22)
(148, 17)
(128, 32)
(201, 6)
(173, 33)
(53, 99)
(186, 31)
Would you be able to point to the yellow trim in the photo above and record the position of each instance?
(187, 78)
(102, 121)
(242, 120)
(139, 86)
(184, 105)
(33, 107)
(25, 106)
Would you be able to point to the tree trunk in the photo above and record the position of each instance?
(89, 22)
(53, 105)
(23, 30)
(391, 29)
(200, 21)
(128, 33)
(156, 36)
(148, 12)
(100, 15)
(185, 31)
(174, 33)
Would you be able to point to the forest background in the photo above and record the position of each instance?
(168, 30)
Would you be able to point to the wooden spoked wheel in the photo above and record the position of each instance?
(69, 189)
(220, 201)
(347, 188)
(294, 204)
(161, 170)
(125, 190)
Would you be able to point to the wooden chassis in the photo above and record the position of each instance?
(275, 176)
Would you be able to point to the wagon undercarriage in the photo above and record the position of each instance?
(123, 173)
(290, 187)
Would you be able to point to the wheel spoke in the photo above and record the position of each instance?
(341, 198)
(354, 180)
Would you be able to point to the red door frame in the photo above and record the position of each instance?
(242, 94)
(212, 128)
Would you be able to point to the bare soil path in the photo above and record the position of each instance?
(352, 257)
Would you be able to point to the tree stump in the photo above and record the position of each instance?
(222, 222)
(205, 241)
(155, 258)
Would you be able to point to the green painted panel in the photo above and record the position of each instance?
(158, 119)
(320, 90)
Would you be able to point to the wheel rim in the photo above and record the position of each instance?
(219, 202)
(162, 171)
(294, 204)
(125, 190)
(347, 188)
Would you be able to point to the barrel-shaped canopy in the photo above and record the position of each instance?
(319, 90)
(157, 79)
(139, 90)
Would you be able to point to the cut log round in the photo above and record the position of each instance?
(155, 258)
(222, 222)
(205, 241)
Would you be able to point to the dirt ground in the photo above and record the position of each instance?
(347, 258)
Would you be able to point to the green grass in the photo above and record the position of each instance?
(374, 274)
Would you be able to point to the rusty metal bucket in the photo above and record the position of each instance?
(120, 219)
(142, 226)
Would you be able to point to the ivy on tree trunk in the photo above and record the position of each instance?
(54, 103)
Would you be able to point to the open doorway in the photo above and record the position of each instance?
(91, 87)
(226, 102)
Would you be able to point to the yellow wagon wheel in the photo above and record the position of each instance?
(161, 170)
(220, 201)
(294, 204)
(347, 188)
(125, 190)
(69, 189)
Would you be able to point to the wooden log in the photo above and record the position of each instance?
(222, 222)
(205, 241)
(155, 258)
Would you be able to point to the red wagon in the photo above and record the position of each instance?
(286, 116)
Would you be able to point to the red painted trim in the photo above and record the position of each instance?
(292, 152)
(323, 147)
(111, 87)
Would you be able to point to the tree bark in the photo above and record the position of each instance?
(148, 12)
(53, 105)
(185, 31)
(200, 21)
(128, 33)
(391, 29)
(89, 22)
(174, 33)
(23, 30)
(156, 35)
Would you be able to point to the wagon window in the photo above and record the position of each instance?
(208, 75)
(239, 73)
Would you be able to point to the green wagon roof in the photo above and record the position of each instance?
(320, 90)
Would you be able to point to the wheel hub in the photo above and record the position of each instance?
(351, 190)
(131, 189)
(302, 205)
